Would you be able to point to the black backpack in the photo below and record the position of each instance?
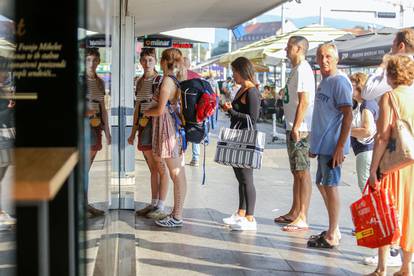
(198, 102)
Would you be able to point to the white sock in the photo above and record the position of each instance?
(160, 205)
(154, 202)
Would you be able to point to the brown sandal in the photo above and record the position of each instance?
(283, 220)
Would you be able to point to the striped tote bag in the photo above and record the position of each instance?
(240, 148)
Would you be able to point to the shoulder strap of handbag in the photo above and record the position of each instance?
(394, 105)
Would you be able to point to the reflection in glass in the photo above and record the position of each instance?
(7, 135)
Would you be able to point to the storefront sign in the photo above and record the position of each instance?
(183, 45)
(157, 42)
(386, 15)
(99, 42)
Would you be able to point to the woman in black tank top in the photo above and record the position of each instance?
(246, 104)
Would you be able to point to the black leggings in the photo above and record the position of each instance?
(247, 191)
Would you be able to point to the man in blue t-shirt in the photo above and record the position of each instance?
(329, 141)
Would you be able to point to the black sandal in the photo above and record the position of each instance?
(320, 242)
(314, 237)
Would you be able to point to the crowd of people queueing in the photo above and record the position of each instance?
(322, 122)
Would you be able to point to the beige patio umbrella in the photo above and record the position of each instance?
(270, 51)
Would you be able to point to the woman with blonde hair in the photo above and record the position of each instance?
(168, 144)
(159, 176)
(363, 129)
(245, 104)
(400, 75)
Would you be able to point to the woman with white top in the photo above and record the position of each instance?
(144, 92)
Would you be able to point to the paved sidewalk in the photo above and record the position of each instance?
(204, 246)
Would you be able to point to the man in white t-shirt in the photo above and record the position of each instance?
(299, 94)
(377, 84)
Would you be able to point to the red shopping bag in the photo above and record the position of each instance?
(375, 218)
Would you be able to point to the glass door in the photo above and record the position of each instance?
(110, 71)
(7, 134)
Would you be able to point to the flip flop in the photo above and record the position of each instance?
(282, 219)
(321, 242)
(295, 228)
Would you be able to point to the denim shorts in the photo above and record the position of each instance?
(325, 175)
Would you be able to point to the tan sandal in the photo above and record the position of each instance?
(377, 273)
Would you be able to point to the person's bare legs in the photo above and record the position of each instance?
(294, 210)
(163, 177)
(303, 181)
(323, 194)
(381, 269)
(92, 210)
(333, 202)
(176, 167)
(406, 269)
(92, 155)
(152, 166)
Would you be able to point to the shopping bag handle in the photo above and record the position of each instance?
(237, 125)
(249, 122)
(367, 189)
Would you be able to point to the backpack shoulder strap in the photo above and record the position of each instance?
(156, 82)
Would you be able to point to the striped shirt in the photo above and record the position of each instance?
(144, 93)
(95, 93)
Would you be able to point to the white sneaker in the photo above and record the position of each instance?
(243, 224)
(391, 261)
(232, 219)
(6, 221)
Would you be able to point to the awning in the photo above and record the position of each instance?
(209, 62)
(215, 60)
(154, 16)
(364, 50)
(271, 50)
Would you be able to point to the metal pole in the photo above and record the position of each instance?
(198, 53)
(321, 16)
(283, 27)
(229, 50)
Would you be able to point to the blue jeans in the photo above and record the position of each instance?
(196, 151)
(214, 117)
(217, 107)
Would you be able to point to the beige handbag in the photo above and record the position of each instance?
(400, 149)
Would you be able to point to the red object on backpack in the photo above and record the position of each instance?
(375, 218)
(206, 106)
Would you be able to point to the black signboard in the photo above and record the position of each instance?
(97, 42)
(46, 63)
(386, 14)
(157, 42)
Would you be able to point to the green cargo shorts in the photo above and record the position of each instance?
(298, 152)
